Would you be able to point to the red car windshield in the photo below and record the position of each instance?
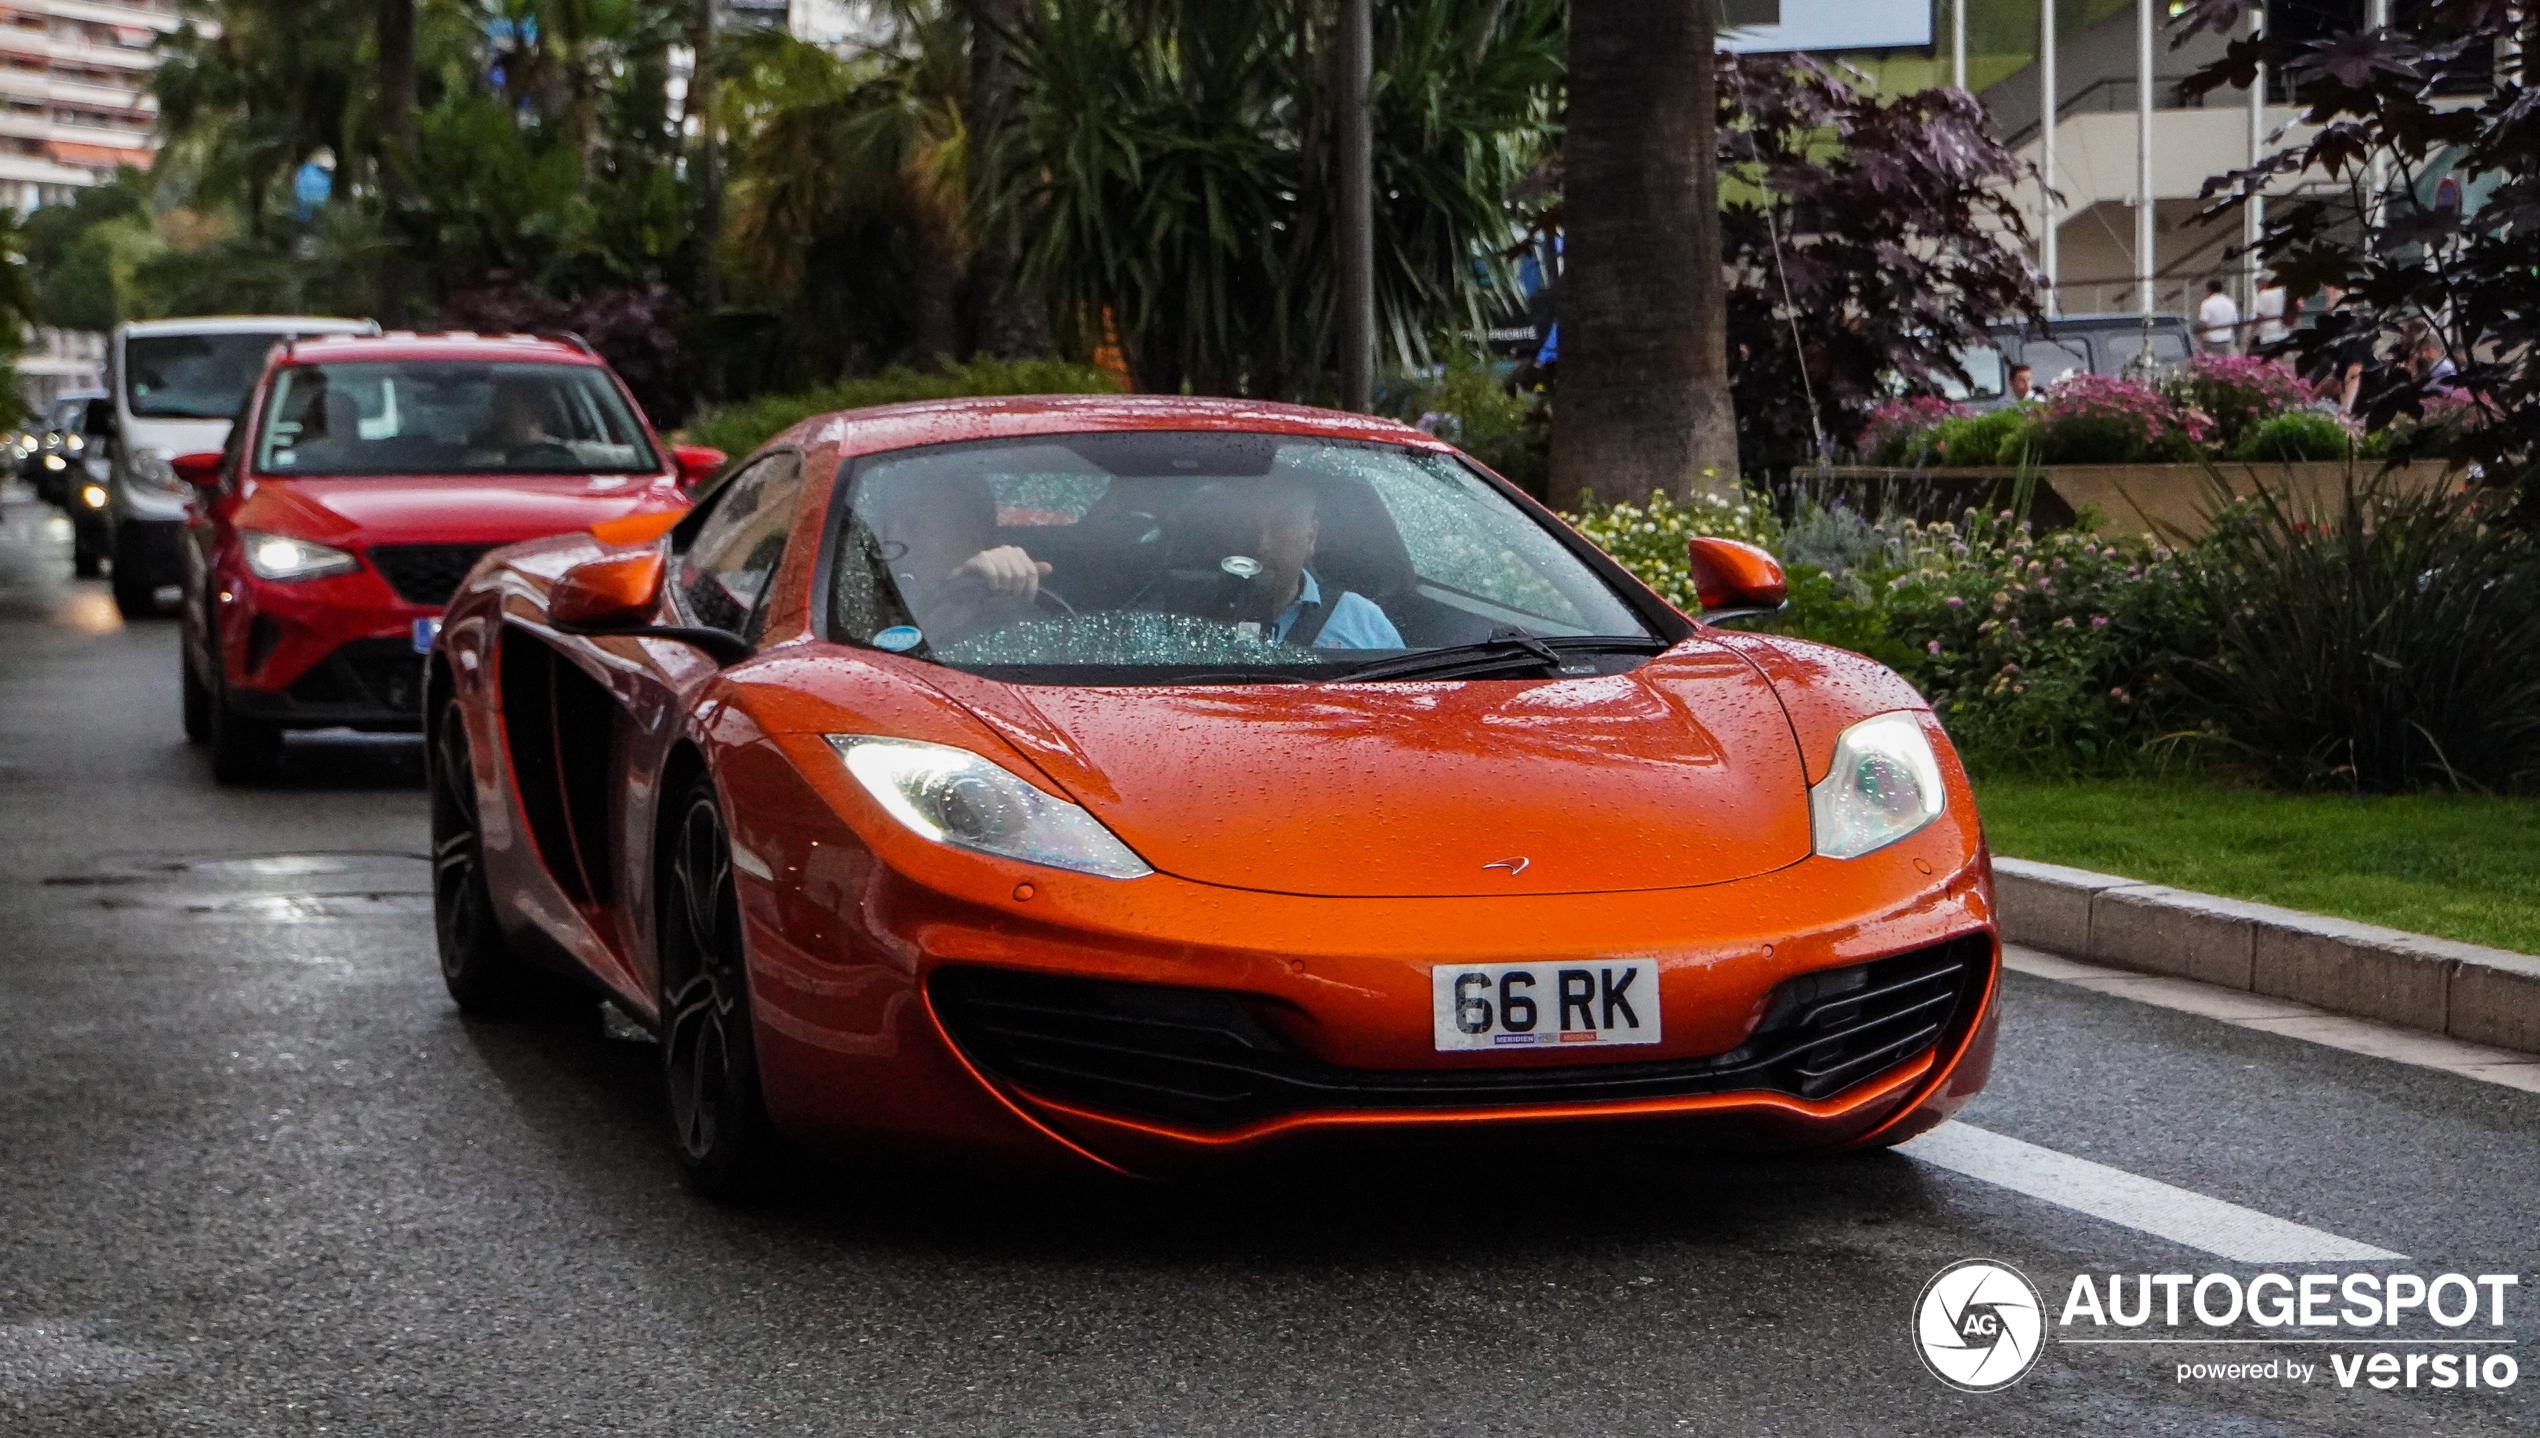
(449, 417)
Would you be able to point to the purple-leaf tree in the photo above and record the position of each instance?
(1867, 240)
(2422, 208)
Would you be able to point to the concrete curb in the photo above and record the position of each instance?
(2478, 995)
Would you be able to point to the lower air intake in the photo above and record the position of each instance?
(1200, 1057)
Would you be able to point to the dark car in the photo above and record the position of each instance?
(2091, 344)
(59, 469)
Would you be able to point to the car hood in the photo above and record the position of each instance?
(1682, 772)
(394, 510)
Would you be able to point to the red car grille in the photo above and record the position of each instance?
(1200, 1057)
(426, 573)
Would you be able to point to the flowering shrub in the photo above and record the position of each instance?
(2239, 393)
(1899, 431)
(2100, 419)
(1649, 540)
(2296, 437)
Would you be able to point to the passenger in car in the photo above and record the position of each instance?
(1297, 611)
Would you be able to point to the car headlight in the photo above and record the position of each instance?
(94, 495)
(279, 556)
(150, 467)
(1884, 785)
(953, 796)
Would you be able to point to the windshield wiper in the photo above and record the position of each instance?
(1504, 652)
(1245, 676)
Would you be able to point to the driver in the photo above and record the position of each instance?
(519, 419)
(1284, 533)
(941, 541)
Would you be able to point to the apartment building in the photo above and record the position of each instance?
(75, 92)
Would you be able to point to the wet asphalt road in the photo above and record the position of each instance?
(257, 1176)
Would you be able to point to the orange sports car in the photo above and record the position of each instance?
(1147, 781)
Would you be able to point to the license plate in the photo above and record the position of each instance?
(425, 629)
(1582, 1003)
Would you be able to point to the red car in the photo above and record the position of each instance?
(364, 478)
(1143, 782)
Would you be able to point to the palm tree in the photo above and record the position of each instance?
(1172, 176)
(1644, 396)
(861, 168)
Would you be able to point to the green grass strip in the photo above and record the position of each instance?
(2459, 866)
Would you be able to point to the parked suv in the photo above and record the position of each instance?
(364, 478)
(175, 385)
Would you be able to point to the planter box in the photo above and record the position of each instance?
(2170, 500)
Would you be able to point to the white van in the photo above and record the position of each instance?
(175, 386)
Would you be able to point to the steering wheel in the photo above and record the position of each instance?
(1048, 598)
(545, 452)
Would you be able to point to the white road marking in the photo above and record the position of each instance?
(2284, 1016)
(2227, 1230)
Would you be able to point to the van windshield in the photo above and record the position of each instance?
(192, 376)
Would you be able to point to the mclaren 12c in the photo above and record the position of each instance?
(1143, 782)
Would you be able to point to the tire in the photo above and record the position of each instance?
(136, 575)
(482, 973)
(710, 1076)
(245, 749)
(197, 703)
(88, 548)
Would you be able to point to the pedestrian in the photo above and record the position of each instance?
(2267, 307)
(2023, 384)
(2218, 319)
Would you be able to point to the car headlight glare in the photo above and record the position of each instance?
(93, 495)
(955, 797)
(279, 556)
(1884, 785)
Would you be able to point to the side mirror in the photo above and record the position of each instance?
(199, 470)
(618, 594)
(696, 463)
(99, 422)
(1734, 580)
(620, 590)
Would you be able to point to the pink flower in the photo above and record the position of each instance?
(1933, 646)
(1954, 602)
(2099, 621)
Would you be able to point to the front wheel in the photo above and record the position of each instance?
(136, 576)
(479, 969)
(718, 1118)
(197, 702)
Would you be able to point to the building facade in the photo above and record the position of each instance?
(75, 97)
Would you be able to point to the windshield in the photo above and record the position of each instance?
(192, 376)
(1983, 364)
(1158, 557)
(449, 417)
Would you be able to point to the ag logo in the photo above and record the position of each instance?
(1979, 1325)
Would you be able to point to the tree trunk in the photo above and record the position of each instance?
(1013, 322)
(396, 82)
(706, 182)
(1642, 402)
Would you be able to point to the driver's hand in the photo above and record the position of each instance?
(1005, 570)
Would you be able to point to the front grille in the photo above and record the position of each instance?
(375, 673)
(426, 573)
(1201, 1057)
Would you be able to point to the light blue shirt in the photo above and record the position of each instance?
(1356, 622)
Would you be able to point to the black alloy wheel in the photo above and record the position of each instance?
(482, 973)
(718, 1119)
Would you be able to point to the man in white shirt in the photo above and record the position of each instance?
(2217, 319)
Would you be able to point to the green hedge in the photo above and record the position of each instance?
(740, 428)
